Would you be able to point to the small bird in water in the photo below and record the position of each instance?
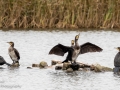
(2, 61)
(75, 50)
(13, 53)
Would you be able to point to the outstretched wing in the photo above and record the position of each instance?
(59, 50)
(89, 47)
(17, 53)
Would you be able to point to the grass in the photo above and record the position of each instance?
(60, 14)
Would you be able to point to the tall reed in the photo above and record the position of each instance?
(60, 14)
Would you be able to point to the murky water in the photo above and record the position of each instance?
(34, 47)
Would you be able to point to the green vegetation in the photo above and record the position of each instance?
(59, 14)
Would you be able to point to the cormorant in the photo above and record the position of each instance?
(74, 51)
(2, 61)
(70, 52)
(116, 69)
(13, 53)
(117, 58)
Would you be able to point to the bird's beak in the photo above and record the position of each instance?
(116, 48)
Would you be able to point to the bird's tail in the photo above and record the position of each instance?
(8, 64)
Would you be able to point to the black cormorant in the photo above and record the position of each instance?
(61, 50)
(13, 53)
(117, 58)
(74, 51)
(2, 61)
(116, 69)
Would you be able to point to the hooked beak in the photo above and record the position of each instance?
(116, 48)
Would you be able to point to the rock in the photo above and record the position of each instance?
(35, 65)
(99, 68)
(15, 65)
(75, 66)
(58, 67)
(66, 66)
(53, 62)
(29, 67)
(106, 68)
(43, 64)
(69, 70)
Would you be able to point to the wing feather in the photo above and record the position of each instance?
(89, 47)
(59, 50)
(17, 53)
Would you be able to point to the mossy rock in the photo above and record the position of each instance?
(43, 64)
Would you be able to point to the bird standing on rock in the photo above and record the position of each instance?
(13, 53)
(75, 50)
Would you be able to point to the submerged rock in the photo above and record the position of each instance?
(29, 67)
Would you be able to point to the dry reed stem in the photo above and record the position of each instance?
(60, 14)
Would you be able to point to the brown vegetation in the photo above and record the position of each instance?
(59, 14)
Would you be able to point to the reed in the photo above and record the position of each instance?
(59, 14)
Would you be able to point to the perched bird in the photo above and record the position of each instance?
(75, 50)
(116, 69)
(70, 52)
(117, 58)
(2, 61)
(13, 53)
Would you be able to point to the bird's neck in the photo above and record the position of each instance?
(76, 42)
(12, 46)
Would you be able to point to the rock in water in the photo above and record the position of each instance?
(66, 66)
(54, 62)
(99, 68)
(75, 66)
(35, 65)
(69, 70)
(58, 67)
(43, 64)
(15, 65)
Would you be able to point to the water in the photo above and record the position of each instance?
(34, 47)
